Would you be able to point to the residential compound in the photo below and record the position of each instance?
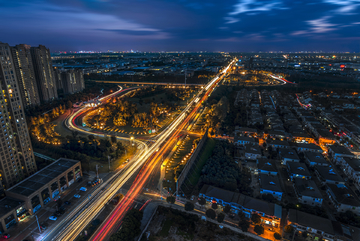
(16, 153)
(308, 155)
(38, 81)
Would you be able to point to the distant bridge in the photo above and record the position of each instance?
(145, 83)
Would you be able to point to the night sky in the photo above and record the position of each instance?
(183, 25)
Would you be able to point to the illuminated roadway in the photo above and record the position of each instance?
(87, 211)
(151, 157)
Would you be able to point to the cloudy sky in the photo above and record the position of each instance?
(186, 25)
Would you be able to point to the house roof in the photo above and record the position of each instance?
(344, 195)
(270, 182)
(307, 188)
(288, 153)
(340, 150)
(354, 163)
(315, 157)
(309, 146)
(312, 221)
(329, 173)
(298, 168)
(266, 165)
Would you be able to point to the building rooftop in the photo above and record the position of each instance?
(278, 143)
(315, 157)
(312, 221)
(270, 182)
(266, 165)
(329, 173)
(245, 138)
(42, 177)
(309, 146)
(298, 168)
(243, 200)
(288, 153)
(252, 149)
(307, 188)
(340, 150)
(354, 163)
(344, 195)
(7, 204)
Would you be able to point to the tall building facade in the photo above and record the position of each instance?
(25, 73)
(44, 73)
(69, 81)
(16, 154)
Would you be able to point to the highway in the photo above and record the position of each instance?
(71, 227)
(144, 83)
(153, 156)
(284, 81)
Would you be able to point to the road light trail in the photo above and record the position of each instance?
(113, 221)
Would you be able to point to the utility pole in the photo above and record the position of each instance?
(185, 78)
(109, 162)
(97, 171)
(38, 223)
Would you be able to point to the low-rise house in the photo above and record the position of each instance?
(276, 144)
(298, 170)
(288, 155)
(343, 198)
(244, 140)
(270, 184)
(315, 159)
(327, 174)
(266, 166)
(336, 152)
(351, 167)
(314, 225)
(245, 131)
(302, 147)
(307, 192)
(252, 152)
(270, 213)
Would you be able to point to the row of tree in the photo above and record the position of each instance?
(130, 227)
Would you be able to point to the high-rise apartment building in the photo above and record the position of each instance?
(16, 155)
(25, 73)
(69, 81)
(44, 73)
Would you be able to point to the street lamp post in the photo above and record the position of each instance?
(38, 223)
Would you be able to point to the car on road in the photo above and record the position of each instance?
(53, 218)
(84, 189)
(67, 203)
(43, 227)
(6, 236)
(77, 196)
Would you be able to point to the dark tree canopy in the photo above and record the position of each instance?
(170, 199)
(211, 213)
(189, 206)
(259, 229)
(220, 217)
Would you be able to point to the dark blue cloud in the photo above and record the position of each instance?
(214, 25)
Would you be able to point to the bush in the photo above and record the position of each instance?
(189, 206)
(289, 229)
(244, 225)
(214, 205)
(170, 199)
(220, 217)
(259, 229)
(255, 218)
(211, 213)
(202, 201)
(277, 236)
(227, 209)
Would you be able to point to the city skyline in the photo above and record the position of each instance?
(237, 25)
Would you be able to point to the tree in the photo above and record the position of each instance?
(170, 199)
(214, 205)
(289, 229)
(113, 139)
(259, 229)
(304, 234)
(211, 213)
(255, 218)
(202, 201)
(227, 209)
(69, 104)
(277, 236)
(220, 217)
(244, 225)
(189, 206)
